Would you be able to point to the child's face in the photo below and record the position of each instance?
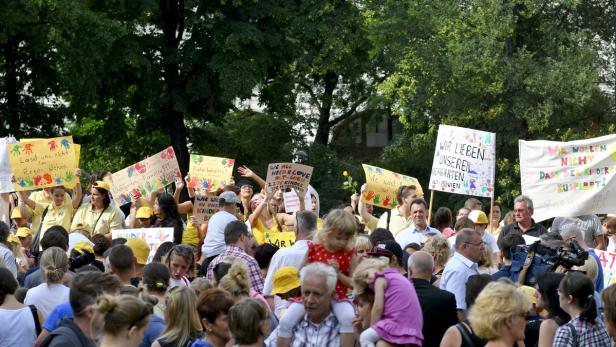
(25, 241)
(337, 240)
(20, 222)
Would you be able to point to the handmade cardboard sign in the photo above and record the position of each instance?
(43, 163)
(464, 161)
(144, 177)
(288, 175)
(209, 173)
(204, 207)
(154, 237)
(382, 185)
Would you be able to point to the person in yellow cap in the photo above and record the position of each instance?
(481, 224)
(141, 250)
(25, 236)
(99, 214)
(20, 216)
(82, 254)
(286, 283)
(56, 213)
(20, 257)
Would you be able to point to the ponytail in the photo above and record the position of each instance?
(589, 310)
(581, 289)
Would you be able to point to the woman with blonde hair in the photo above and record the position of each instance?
(182, 325)
(439, 249)
(249, 323)
(237, 281)
(499, 314)
(486, 262)
(362, 246)
(124, 320)
(50, 293)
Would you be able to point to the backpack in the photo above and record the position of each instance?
(62, 331)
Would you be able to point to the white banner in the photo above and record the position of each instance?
(464, 161)
(6, 185)
(569, 178)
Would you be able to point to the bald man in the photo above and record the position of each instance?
(438, 306)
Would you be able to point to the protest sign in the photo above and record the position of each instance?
(43, 163)
(144, 177)
(464, 161)
(291, 201)
(209, 173)
(280, 239)
(569, 178)
(76, 148)
(6, 184)
(154, 237)
(204, 207)
(382, 185)
(607, 260)
(288, 175)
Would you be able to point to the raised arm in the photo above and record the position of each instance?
(77, 192)
(244, 171)
(361, 207)
(257, 212)
(25, 197)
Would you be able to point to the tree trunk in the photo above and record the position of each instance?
(172, 12)
(322, 136)
(10, 78)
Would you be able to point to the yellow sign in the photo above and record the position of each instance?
(382, 186)
(43, 163)
(280, 239)
(209, 173)
(144, 177)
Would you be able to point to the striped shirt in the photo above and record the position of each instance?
(256, 280)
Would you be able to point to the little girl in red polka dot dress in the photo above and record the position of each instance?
(333, 245)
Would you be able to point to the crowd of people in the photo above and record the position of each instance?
(351, 278)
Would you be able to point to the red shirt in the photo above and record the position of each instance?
(318, 253)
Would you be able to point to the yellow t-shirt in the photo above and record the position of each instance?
(259, 230)
(101, 221)
(61, 215)
(370, 225)
(191, 235)
(397, 222)
(39, 197)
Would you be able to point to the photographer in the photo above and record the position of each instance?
(592, 268)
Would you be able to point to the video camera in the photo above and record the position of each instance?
(557, 256)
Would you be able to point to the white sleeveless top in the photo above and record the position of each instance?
(17, 327)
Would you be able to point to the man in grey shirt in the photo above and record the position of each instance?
(589, 224)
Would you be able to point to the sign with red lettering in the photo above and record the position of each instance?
(288, 175)
(464, 161)
(608, 262)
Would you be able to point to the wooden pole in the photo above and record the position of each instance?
(490, 215)
(430, 207)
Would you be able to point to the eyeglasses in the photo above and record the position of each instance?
(520, 210)
(480, 243)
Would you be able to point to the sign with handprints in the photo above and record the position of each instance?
(382, 186)
(144, 177)
(154, 237)
(43, 163)
(209, 173)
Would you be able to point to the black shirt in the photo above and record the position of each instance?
(535, 230)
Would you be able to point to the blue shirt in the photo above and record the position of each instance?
(55, 317)
(457, 271)
(414, 234)
(599, 280)
(155, 328)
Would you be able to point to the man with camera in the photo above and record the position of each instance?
(574, 238)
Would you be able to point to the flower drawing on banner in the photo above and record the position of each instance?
(52, 145)
(28, 148)
(16, 151)
(64, 143)
(167, 154)
(140, 168)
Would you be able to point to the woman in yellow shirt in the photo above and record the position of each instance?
(99, 214)
(56, 213)
(264, 217)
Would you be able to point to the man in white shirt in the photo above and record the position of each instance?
(214, 242)
(419, 229)
(305, 226)
(400, 217)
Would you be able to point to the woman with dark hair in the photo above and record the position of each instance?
(443, 220)
(167, 216)
(547, 288)
(19, 322)
(576, 296)
(162, 251)
(213, 307)
(100, 215)
(495, 217)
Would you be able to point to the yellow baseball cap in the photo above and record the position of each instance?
(102, 185)
(140, 249)
(144, 212)
(16, 213)
(13, 239)
(23, 232)
(83, 246)
(285, 280)
(478, 217)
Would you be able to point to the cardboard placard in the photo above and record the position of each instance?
(154, 237)
(280, 239)
(43, 163)
(291, 201)
(204, 207)
(382, 186)
(144, 177)
(288, 175)
(209, 173)
(464, 161)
